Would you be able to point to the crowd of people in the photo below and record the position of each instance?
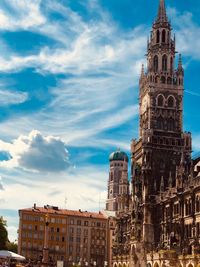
(7, 263)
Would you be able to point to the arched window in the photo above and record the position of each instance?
(197, 204)
(160, 123)
(169, 80)
(163, 36)
(171, 64)
(156, 79)
(163, 80)
(171, 102)
(111, 176)
(164, 63)
(158, 36)
(155, 63)
(160, 100)
(171, 125)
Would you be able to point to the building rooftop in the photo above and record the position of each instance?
(55, 210)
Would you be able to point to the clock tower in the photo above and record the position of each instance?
(162, 146)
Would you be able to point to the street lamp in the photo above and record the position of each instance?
(94, 263)
(86, 263)
(105, 263)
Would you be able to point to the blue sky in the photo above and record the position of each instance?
(69, 74)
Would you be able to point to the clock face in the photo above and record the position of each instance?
(144, 104)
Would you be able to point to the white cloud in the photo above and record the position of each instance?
(12, 97)
(36, 152)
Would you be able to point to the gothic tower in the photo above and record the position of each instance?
(118, 185)
(162, 144)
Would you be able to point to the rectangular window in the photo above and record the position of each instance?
(85, 223)
(78, 231)
(85, 232)
(63, 221)
(78, 239)
(71, 230)
(70, 249)
(78, 222)
(72, 221)
(63, 230)
(24, 226)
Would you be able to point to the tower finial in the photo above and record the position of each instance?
(142, 70)
(162, 16)
(180, 61)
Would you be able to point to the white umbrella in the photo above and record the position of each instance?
(11, 255)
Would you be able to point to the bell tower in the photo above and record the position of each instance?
(118, 184)
(162, 143)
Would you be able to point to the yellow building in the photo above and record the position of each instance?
(75, 237)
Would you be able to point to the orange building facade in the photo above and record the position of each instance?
(75, 237)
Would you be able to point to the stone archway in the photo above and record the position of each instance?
(156, 265)
(115, 265)
(124, 264)
(190, 265)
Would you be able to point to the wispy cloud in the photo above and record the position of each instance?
(187, 30)
(27, 14)
(10, 98)
(1, 184)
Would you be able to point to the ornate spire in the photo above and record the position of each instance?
(162, 16)
(180, 62)
(170, 180)
(142, 71)
(162, 185)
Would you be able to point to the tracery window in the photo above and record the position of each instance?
(163, 36)
(171, 101)
(171, 124)
(155, 63)
(163, 80)
(158, 36)
(160, 123)
(160, 100)
(164, 63)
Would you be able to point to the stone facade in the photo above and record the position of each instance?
(160, 225)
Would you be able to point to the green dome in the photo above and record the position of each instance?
(118, 155)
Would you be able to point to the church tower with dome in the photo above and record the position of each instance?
(118, 184)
